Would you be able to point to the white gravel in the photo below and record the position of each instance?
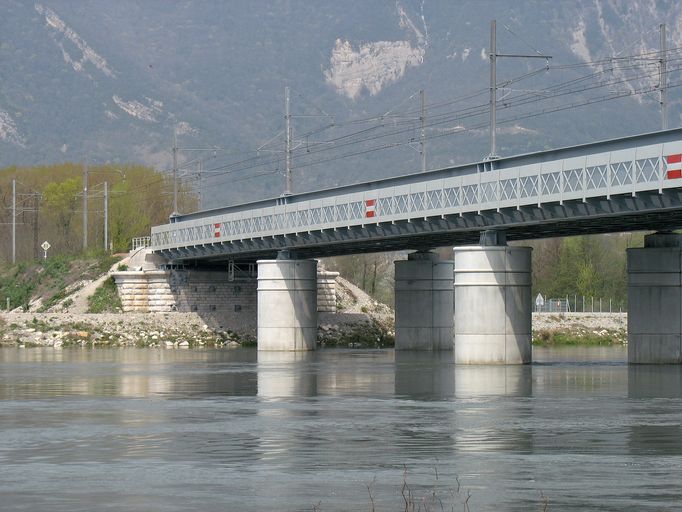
(571, 321)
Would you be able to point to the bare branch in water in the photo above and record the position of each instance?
(369, 491)
(466, 502)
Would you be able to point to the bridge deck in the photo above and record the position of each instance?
(619, 185)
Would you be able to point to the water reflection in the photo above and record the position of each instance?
(43, 373)
(366, 374)
(423, 375)
(241, 430)
(434, 376)
(502, 380)
(658, 430)
(286, 374)
(655, 381)
(130, 372)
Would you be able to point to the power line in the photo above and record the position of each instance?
(432, 106)
(478, 127)
(359, 137)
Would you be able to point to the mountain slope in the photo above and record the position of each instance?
(109, 81)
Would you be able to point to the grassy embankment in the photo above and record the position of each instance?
(52, 280)
(105, 299)
(551, 338)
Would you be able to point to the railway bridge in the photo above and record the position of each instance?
(478, 304)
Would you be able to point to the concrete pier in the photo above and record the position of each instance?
(655, 300)
(492, 303)
(287, 304)
(423, 303)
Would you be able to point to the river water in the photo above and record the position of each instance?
(224, 430)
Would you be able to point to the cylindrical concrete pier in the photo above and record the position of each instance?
(655, 300)
(423, 303)
(287, 304)
(492, 305)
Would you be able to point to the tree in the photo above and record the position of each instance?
(586, 281)
(139, 198)
(61, 198)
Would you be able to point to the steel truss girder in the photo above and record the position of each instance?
(644, 211)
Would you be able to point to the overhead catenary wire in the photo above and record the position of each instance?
(429, 107)
(484, 125)
(514, 100)
(480, 126)
(481, 111)
(445, 133)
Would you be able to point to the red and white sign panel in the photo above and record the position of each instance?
(370, 207)
(673, 166)
(217, 230)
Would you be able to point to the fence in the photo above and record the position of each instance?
(580, 304)
(141, 242)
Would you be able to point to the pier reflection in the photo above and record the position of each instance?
(655, 381)
(130, 372)
(423, 375)
(502, 380)
(498, 393)
(466, 393)
(357, 373)
(653, 430)
(284, 375)
(266, 429)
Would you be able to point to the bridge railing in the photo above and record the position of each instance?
(626, 171)
(140, 242)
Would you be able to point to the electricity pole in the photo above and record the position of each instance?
(663, 79)
(106, 216)
(422, 136)
(287, 142)
(14, 221)
(36, 213)
(85, 207)
(200, 169)
(21, 204)
(175, 173)
(493, 55)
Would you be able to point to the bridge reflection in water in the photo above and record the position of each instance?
(248, 430)
(415, 375)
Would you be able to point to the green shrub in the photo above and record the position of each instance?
(548, 338)
(17, 289)
(56, 267)
(105, 299)
(105, 262)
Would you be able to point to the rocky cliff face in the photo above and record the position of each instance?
(109, 81)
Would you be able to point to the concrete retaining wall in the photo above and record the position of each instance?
(326, 291)
(159, 291)
(203, 291)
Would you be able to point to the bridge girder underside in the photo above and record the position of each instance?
(643, 212)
